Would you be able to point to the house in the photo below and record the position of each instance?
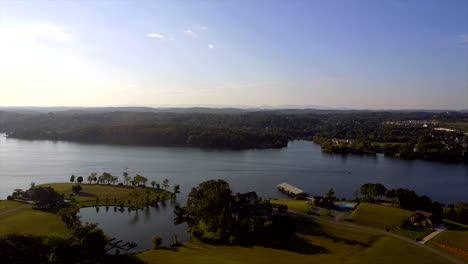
(421, 219)
(321, 201)
(292, 191)
(244, 204)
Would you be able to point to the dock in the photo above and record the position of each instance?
(126, 246)
(292, 191)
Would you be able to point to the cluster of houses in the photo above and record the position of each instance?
(418, 219)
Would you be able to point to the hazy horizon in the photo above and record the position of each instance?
(385, 55)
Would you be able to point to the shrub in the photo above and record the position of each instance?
(157, 242)
(282, 208)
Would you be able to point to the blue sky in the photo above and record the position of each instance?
(389, 54)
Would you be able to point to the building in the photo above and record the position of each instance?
(244, 204)
(292, 191)
(321, 201)
(421, 219)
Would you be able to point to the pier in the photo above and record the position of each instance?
(292, 191)
(126, 246)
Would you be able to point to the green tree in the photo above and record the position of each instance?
(125, 177)
(79, 179)
(91, 177)
(391, 194)
(166, 184)
(208, 207)
(153, 183)
(176, 190)
(139, 179)
(156, 241)
(330, 194)
(72, 178)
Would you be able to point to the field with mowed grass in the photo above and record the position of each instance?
(103, 194)
(327, 243)
(8, 205)
(27, 220)
(463, 126)
(386, 217)
(298, 206)
(453, 241)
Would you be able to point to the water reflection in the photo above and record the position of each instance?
(137, 225)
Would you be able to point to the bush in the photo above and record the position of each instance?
(157, 242)
(282, 208)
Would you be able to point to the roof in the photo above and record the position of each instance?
(290, 188)
(426, 214)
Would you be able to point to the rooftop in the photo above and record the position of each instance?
(288, 187)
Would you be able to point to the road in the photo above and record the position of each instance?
(14, 209)
(368, 229)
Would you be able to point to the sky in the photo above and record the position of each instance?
(388, 54)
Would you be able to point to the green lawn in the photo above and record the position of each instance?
(328, 243)
(114, 194)
(453, 241)
(463, 126)
(299, 206)
(383, 217)
(8, 205)
(30, 221)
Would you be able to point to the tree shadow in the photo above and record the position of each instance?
(85, 194)
(312, 228)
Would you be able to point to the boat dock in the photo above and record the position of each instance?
(126, 246)
(292, 191)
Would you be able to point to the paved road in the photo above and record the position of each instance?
(363, 228)
(13, 210)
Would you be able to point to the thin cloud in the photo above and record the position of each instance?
(211, 46)
(463, 38)
(190, 33)
(41, 31)
(155, 36)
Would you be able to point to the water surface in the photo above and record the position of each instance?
(302, 164)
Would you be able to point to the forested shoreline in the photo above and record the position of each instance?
(408, 135)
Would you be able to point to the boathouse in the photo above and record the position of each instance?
(292, 191)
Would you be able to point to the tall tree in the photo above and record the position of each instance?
(208, 205)
(72, 178)
(79, 179)
(176, 190)
(166, 184)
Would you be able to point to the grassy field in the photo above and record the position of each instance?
(8, 205)
(111, 194)
(453, 241)
(299, 206)
(383, 217)
(29, 221)
(328, 243)
(463, 126)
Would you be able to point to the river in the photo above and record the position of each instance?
(301, 163)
